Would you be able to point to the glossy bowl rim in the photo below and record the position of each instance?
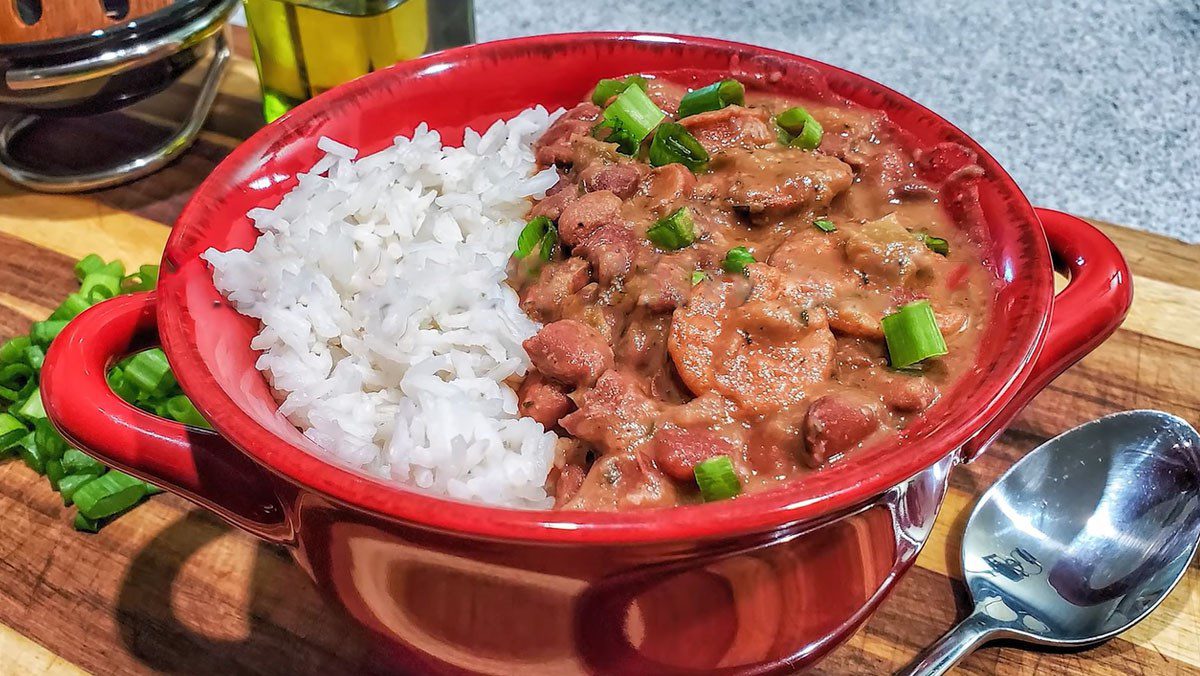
(759, 512)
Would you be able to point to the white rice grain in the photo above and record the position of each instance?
(387, 323)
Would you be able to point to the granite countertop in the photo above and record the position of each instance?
(1091, 106)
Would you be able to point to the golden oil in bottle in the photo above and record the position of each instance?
(303, 47)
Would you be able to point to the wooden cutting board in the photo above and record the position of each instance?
(169, 588)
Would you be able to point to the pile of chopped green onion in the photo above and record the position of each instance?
(144, 380)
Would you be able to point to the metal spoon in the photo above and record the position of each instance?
(1081, 539)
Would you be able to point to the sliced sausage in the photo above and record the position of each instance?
(730, 127)
(569, 352)
(778, 180)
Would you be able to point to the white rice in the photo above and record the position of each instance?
(388, 327)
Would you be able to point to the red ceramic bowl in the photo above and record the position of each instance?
(768, 581)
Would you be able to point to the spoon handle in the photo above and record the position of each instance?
(951, 647)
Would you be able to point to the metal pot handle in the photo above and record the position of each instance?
(147, 163)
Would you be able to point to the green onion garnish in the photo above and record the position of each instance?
(48, 439)
(824, 225)
(673, 144)
(716, 479)
(12, 350)
(539, 232)
(31, 409)
(737, 259)
(54, 472)
(42, 333)
(111, 493)
(100, 286)
(631, 117)
(11, 431)
(180, 409)
(912, 335)
(938, 245)
(71, 307)
(144, 380)
(698, 277)
(608, 88)
(71, 483)
(75, 461)
(673, 232)
(89, 264)
(802, 130)
(713, 97)
(84, 524)
(145, 279)
(150, 373)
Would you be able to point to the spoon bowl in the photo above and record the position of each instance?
(1080, 539)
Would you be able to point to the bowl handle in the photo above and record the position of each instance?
(1084, 313)
(196, 463)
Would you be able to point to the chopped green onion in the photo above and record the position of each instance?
(912, 335)
(631, 117)
(938, 245)
(33, 457)
(75, 461)
(716, 479)
(71, 483)
(698, 277)
(111, 493)
(713, 97)
(31, 409)
(150, 373)
(15, 374)
(121, 386)
(11, 431)
(35, 356)
(549, 244)
(14, 349)
(71, 307)
(824, 225)
(82, 523)
(673, 144)
(54, 472)
(89, 264)
(608, 88)
(145, 279)
(100, 286)
(48, 439)
(115, 268)
(673, 232)
(181, 409)
(42, 333)
(533, 234)
(737, 259)
(802, 130)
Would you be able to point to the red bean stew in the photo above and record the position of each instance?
(736, 289)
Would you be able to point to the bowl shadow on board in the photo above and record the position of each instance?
(290, 629)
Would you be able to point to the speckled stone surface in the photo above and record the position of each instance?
(1091, 106)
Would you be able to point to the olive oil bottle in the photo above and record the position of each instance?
(303, 47)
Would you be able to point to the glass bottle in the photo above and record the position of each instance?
(303, 47)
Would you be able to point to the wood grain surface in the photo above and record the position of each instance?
(169, 588)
